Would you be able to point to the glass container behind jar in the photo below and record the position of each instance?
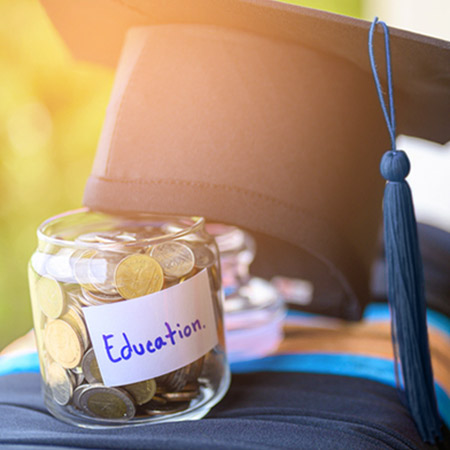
(254, 311)
(127, 312)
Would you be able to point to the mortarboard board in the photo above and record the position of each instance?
(259, 114)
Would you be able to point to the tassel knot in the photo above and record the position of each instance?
(395, 165)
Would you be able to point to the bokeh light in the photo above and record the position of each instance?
(51, 112)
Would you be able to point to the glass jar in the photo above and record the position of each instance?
(254, 311)
(128, 318)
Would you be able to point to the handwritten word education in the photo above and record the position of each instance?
(120, 348)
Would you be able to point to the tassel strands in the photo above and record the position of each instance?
(406, 291)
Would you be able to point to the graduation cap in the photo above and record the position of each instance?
(258, 114)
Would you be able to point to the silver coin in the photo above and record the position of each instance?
(77, 393)
(105, 237)
(172, 381)
(61, 383)
(204, 256)
(78, 375)
(175, 258)
(76, 297)
(80, 267)
(107, 402)
(90, 368)
(101, 267)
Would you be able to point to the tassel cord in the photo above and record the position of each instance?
(389, 116)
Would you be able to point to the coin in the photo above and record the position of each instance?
(172, 381)
(108, 403)
(158, 400)
(81, 268)
(87, 299)
(50, 297)
(90, 367)
(183, 396)
(116, 237)
(101, 267)
(204, 257)
(137, 275)
(77, 393)
(63, 343)
(97, 298)
(73, 316)
(61, 383)
(75, 297)
(142, 392)
(164, 410)
(78, 374)
(176, 259)
(194, 369)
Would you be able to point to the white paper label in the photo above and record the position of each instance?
(145, 337)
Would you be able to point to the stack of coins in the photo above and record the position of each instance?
(105, 267)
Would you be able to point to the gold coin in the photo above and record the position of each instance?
(50, 296)
(61, 383)
(142, 392)
(183, 396)
(90, 367)
(176, 259)
(137, 275)
(164, 410)
(63, 343)
(158, 400)
(73, 316)
(99, 299)
(108, 403)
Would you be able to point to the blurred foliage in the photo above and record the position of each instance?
(51, 112)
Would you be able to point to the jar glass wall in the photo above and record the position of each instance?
(128, 318)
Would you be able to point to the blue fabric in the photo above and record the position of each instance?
(377, 369)
(261, 411)
(380, 311)
(28, 362)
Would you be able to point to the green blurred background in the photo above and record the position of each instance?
(51, 113)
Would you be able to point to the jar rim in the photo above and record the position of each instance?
(44, 228)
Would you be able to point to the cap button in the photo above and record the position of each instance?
(394, 165)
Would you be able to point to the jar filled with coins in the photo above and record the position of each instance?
(128, 318)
